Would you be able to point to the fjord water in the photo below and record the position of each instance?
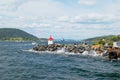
(16, 64)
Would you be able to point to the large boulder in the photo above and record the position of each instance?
(112, 55)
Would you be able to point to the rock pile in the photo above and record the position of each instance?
(68, 48)
(109, 52)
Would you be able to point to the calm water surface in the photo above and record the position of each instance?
(16, 64)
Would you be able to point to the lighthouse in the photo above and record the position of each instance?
(50, 40)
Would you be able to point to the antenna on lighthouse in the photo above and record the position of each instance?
(63, 39)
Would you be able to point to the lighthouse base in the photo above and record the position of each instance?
(50, 42)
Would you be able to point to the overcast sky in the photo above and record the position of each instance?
(69, 19)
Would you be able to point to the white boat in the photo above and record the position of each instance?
(34, 43)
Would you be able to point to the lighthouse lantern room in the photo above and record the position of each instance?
(50, 40)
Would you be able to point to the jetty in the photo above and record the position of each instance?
(110, 52)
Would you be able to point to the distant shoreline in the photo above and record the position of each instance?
(22, 40)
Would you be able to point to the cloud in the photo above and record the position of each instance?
(9, 5)
(62, 18)
(65, 26)
(87, 2)
(12, 5)
(42, 8)
(91, 18)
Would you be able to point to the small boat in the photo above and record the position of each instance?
(34, 43)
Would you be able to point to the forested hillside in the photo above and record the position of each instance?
(15, 34)
(105, 39)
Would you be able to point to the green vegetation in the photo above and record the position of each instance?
(12, 34)
(43, 39)
(105, 39)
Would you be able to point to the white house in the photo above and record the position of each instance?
(115, 44)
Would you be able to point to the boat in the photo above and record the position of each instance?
(34, 43)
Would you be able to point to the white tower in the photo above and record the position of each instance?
(50, 40)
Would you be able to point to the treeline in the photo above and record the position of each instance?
(12, 34)
(105, 39)
(18, 39)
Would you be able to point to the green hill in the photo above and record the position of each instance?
(109, 37)
(12, 34)
(102, 39)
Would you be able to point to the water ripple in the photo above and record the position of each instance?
(19, 65)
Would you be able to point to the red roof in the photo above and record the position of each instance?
(50, 38)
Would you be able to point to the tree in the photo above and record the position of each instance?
(101, 42)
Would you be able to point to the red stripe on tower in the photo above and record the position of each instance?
(50, 40)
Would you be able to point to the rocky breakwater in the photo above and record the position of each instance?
(113, 53)
(68, 48)
(109, 52)
(52, 47)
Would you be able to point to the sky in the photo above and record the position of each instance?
(68, 19)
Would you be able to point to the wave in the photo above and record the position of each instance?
(62, 51)
(91, 53)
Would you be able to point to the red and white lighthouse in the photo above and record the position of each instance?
(50, 40)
